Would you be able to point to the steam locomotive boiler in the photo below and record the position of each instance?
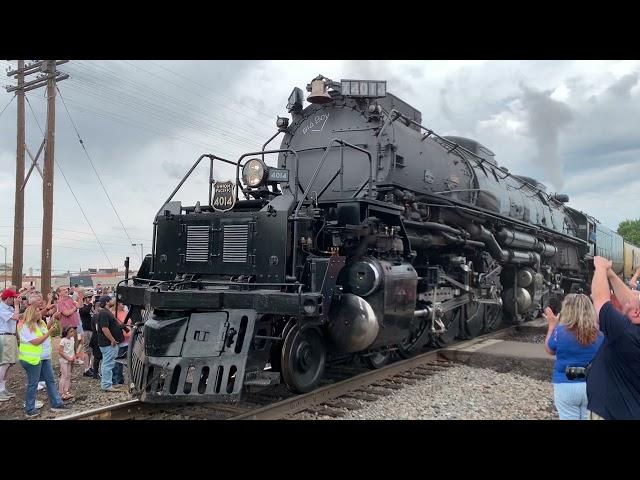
(372, 236)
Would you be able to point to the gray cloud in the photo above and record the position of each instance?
(622, 87)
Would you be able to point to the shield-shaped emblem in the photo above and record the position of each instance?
(223, 196)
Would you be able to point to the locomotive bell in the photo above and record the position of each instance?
(319, 91)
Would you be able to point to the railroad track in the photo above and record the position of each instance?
(331, 400)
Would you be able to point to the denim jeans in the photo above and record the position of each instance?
(571, 400)
(40, 372)
(118, 377)
(109, 355)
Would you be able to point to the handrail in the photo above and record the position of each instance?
(295, 218)
(321, 163)
(263, 152)
(184, 179)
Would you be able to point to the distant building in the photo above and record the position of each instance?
(81, 280)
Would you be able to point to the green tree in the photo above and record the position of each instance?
(630, 231)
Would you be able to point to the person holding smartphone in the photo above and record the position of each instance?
(574, 339)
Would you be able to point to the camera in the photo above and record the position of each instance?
(573, 373)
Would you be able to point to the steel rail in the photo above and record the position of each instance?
(130, 408)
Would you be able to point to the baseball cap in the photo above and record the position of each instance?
(8, 293)
(104, 299)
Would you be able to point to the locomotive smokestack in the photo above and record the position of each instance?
(319, 91)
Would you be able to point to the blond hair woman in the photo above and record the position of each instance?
(35, 358)
(574, 338)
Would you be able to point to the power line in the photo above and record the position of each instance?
(162, 101)
(83, 214)
(79, 231)
(84, 148)
(168, 115)
(7, 105)
(138, 125)
(57, 164)
(260, 112)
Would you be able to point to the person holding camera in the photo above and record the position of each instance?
(613, 386)
(123, 347)
(574, 339)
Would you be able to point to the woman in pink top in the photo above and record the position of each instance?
(69, 315)
(68, 308)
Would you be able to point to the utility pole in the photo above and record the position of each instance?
(50, 77)
(47, 185)
(18, 216)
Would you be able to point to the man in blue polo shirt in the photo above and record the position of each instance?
(613, 384)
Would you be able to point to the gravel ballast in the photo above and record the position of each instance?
(460, 393)
(87, 392)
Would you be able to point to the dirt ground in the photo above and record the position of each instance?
(86, 390)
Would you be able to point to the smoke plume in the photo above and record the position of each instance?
(546, 118)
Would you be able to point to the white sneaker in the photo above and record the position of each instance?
(39, 404)
(41, 385)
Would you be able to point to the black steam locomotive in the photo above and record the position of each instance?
(373, 236)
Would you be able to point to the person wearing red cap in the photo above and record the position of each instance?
(8, 342)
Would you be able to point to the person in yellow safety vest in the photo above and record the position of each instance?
(34, 355)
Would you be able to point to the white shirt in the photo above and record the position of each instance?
(7, 324)
(68, 345)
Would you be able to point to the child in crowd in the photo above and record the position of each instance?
(66, 357)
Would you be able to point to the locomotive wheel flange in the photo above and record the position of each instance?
(276, 347)
(303, 359)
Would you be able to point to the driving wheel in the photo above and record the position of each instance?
(303, 359)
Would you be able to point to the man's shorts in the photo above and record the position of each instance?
(8, 349)
(86, 339)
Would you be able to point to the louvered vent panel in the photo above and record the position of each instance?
(234, 248)
(197, 243)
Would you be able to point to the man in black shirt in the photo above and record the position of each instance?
(85, 319)
(613, 384)
(109, 335)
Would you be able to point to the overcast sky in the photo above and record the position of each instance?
(574, 125)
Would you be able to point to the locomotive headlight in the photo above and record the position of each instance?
(253, 172)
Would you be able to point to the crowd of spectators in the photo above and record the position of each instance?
(93, 335)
